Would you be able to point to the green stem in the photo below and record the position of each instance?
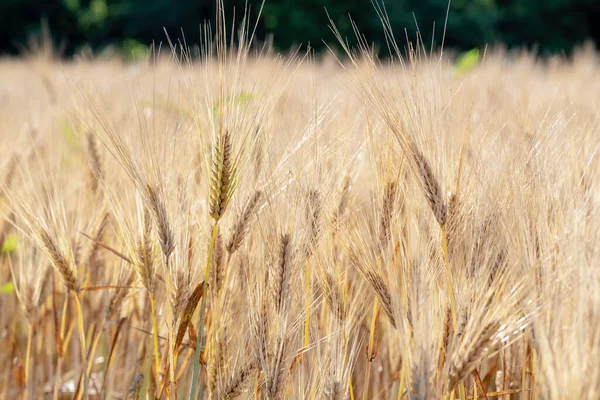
(195, 372)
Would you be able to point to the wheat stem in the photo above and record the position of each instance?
(27, 359)
(308, 277)
(350, 385)
(401, 386)
(93, 349)
(61, 334)
(155, 339)
(183, 367)
(81, 336)
(449, 279)
(371, 349)
(172, 362)
(201, 322)
(533, 372)
(524, 370)
(461, 392)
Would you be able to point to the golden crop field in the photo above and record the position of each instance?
(263, 226)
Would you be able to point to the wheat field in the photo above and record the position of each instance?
(245, 224)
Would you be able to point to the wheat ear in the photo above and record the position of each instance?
(242, 224)
(431, 188)
(95, 160)
(387, 210)
(59, 262)
(221, 183)
(470, 353)
(280, 273)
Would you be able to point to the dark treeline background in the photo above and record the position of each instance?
(549, 26)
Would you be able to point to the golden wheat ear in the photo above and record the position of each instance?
(143, 262)
(59, 262)
(279, 274)
(159, 212)
(242, 224)
(238, 380)
(95, 162)
(431, 187)
(469, 355)
(387, 210)
(133, 392)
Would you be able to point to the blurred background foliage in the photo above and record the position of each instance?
(129, 26)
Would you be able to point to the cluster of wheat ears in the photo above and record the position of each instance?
(227, 222)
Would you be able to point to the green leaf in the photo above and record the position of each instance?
(134, 50)
(242, 99)
(70, 135)
(161, 103)
(10, 244)
(72, 5)
(467, 61)
(7, 288)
